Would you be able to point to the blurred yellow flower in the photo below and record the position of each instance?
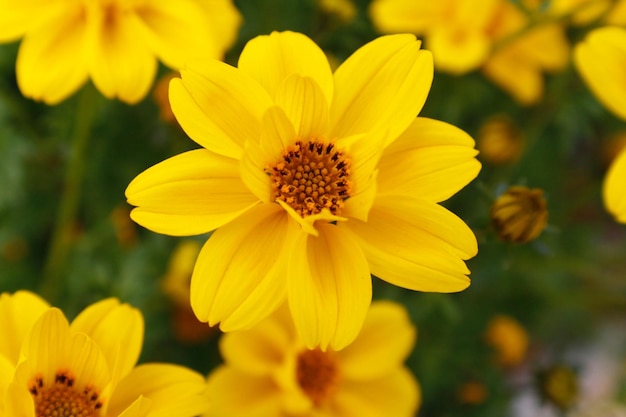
(601, 61)
(313, 181)
(115, 43)
(175, 284)
(88, 368)
(509, 340)
(499, 140)
(582, 12)
(495, 36)
(269, 373)
(472, 392)
(520, 214)
(614, 188)
(559, 385)
(343, 9)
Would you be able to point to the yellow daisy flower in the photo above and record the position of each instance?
(268, 372)
(614, 186)
(313, 181)
(115, 43)
(601, 61)
(88, 369)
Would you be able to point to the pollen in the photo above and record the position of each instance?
(310, 177)
(317, 374)
(61, 397)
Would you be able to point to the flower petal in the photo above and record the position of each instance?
(18, 314)
(171, 389)
(139, 408)
(191, 193)
(51, 348)
(395, 394)
(177, 32)
(381, 87)
(52, 62)
(20, 16)
(305, 105)
(386, 321)
(235, 393)
(601, 60)
(329, 288)
(118, 331)
(415, 244)
(270, 59)
(261, 349)
(19, 402)
(121, 66)
(431, 159)
(239, 278)
(277, 133)
(218, 106)
(614, 188)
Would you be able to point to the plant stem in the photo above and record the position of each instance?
(61, 240)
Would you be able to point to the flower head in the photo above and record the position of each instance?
(520, 214)
(278, 376)
(115, 43)
(313, 181)
(88, 368)
(509, 340)
(499, 140)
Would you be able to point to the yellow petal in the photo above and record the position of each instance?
(20, 16)
(218, 106)
(19, 402)
(260, 350)
(431, 159)
(7, 369)
(224, 23)
(122, 66)
(381, 87)
(18, 314)
(277, 133)
(235, 393)
(601, 61)
(239, 278)
(171, 389)
(384, 343)
(614, 188)
(458, 50)
(329, 288)
(415, 244)
(139, 408)
(396, 16)
(396, 394)
(270, 59)
(52, 62)
(51, 348)
(191, 193)
(305, 105)
(177, 32)
(522, 80)
(118, 331)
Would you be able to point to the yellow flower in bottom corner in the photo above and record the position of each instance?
(601, 61)
(87, 369)
(614, 188)
(311, 181)
(269, 373)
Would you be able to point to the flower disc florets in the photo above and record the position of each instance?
(311, 176)
(62, 399)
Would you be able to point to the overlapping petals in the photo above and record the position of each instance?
(614, 188)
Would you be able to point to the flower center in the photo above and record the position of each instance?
(317, 374)
(311, 176)
(62, 399)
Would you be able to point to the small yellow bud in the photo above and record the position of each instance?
(499, 141)
(520, 214)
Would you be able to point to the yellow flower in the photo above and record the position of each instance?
(499, 140)
(601, 61)
(559, 385)
(115, 43)
(313, 181)
(520, 214)
(582, 11)
(509, 339)
(492, 35)
(269, 373)
(88, 367)
(343, 9)
(614, 188)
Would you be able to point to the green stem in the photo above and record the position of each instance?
(61, 239)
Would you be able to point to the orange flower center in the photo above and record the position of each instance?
(317, 374)
(62, 399)
(311, 176)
